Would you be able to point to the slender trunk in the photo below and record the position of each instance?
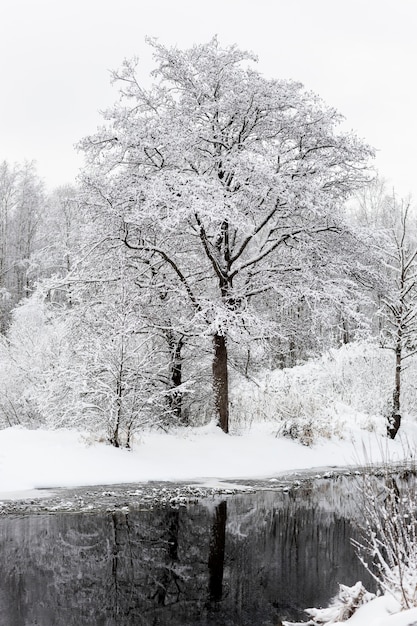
(115, 437)
(345, 331)
(69, 290)
(175, 375)
(220, 381)
(27, 287)
(291, 353)
(395, 417)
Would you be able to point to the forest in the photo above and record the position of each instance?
(223, 231)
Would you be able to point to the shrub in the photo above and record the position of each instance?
(388, 548)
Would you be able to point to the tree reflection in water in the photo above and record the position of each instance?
(216, 552)
(253, 559)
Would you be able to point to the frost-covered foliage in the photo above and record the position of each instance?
(388, 224)
(316, 399)
(34, 357)
(98, 366)
(85, 368)
(118, 377)
(388, 548)
(22, 201)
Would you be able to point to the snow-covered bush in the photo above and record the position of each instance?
(118, 392)
(30, 359)
(388, 548)
(341, 608)
(315, 399)
(94, 366)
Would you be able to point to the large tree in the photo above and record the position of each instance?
(229, 179)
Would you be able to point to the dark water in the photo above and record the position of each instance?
(246, 560)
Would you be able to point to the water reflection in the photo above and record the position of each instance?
(216, 552)
(253, 559)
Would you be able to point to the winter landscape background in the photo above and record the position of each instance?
(226, 288)
(224, 231)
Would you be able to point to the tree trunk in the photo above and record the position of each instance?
(115, 435)
(395, 417)
(345, 331)
(175, 375)
(217, 552)
(220, 381)
(168, 577)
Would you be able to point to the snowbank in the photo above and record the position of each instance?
(382, 611)
(367, 609)
(66, 458)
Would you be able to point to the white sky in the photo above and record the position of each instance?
(55, 55)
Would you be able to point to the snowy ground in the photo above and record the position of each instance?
(32, 459)
(383, 610)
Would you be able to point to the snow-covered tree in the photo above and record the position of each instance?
(400, 299)
(21, 208)
(229, 179)
(26, 218)
(61, 240)
(390, 226)
(8, 176)
(117, 376)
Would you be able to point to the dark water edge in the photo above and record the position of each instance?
(227, 559)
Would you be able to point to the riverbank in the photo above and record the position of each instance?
(48, 460)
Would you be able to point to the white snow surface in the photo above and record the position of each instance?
(34, 459)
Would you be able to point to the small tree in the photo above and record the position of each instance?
(119, 387)
(400, 301)
(389, 225)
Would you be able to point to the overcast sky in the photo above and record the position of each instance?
(55, 55)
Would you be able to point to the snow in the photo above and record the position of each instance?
(42, 459)
(382, 611)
